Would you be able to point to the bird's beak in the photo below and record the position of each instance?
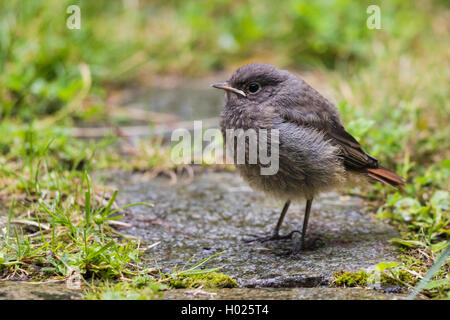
(227, 87)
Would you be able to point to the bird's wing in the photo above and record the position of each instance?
(354, 156)
(313, 110)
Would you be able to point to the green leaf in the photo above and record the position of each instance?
(440, 200)
(408, 243)
(441, 283)
(111, 201)
(439, 246)
(445, 164)
(360, 127)
(131, 205)
(96, 253)
(407, 203)
(434, 268)
(386, 265)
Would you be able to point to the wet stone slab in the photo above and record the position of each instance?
(25, 290)
(282, 294)
(217, 211)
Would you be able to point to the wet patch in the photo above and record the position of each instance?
(282, 294)
(23, 290)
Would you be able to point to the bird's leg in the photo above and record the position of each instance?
(275, 235)
(299, 247)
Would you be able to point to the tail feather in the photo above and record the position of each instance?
(385, 176)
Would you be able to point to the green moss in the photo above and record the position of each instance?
(350, 279)
(410, 260)
(126, 291)
(207, 280)
(399, 277)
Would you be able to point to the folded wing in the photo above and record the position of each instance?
(318, 113)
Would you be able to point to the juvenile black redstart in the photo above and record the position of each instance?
(316, 153)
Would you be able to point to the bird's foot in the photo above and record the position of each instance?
(271, 237)
(299, 247)
(309, 244)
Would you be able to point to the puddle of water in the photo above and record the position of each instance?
(193, 99)
(188, 103)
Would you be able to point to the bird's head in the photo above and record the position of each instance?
(256, 84)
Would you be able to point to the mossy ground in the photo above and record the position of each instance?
(206, 281)
(350, 279)
(404, 275)
(149, 289)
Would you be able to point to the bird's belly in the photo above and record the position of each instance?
(307, 165)
(286, 185)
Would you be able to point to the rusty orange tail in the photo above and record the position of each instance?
(385, 176)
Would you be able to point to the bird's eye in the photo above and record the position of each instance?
(254, 87)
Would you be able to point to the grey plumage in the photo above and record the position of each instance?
(308, 165)
(316, 153)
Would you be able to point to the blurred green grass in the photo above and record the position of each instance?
(40, 57)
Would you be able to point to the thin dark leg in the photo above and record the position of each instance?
(281, 218)
(300, 245)
(275, 235)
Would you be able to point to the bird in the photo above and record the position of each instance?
(316, 153)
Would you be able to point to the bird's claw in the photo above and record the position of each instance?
(298, 248)
(272, 237)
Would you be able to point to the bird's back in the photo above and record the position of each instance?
(316, 153)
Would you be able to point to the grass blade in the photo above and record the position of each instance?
(434, 268)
